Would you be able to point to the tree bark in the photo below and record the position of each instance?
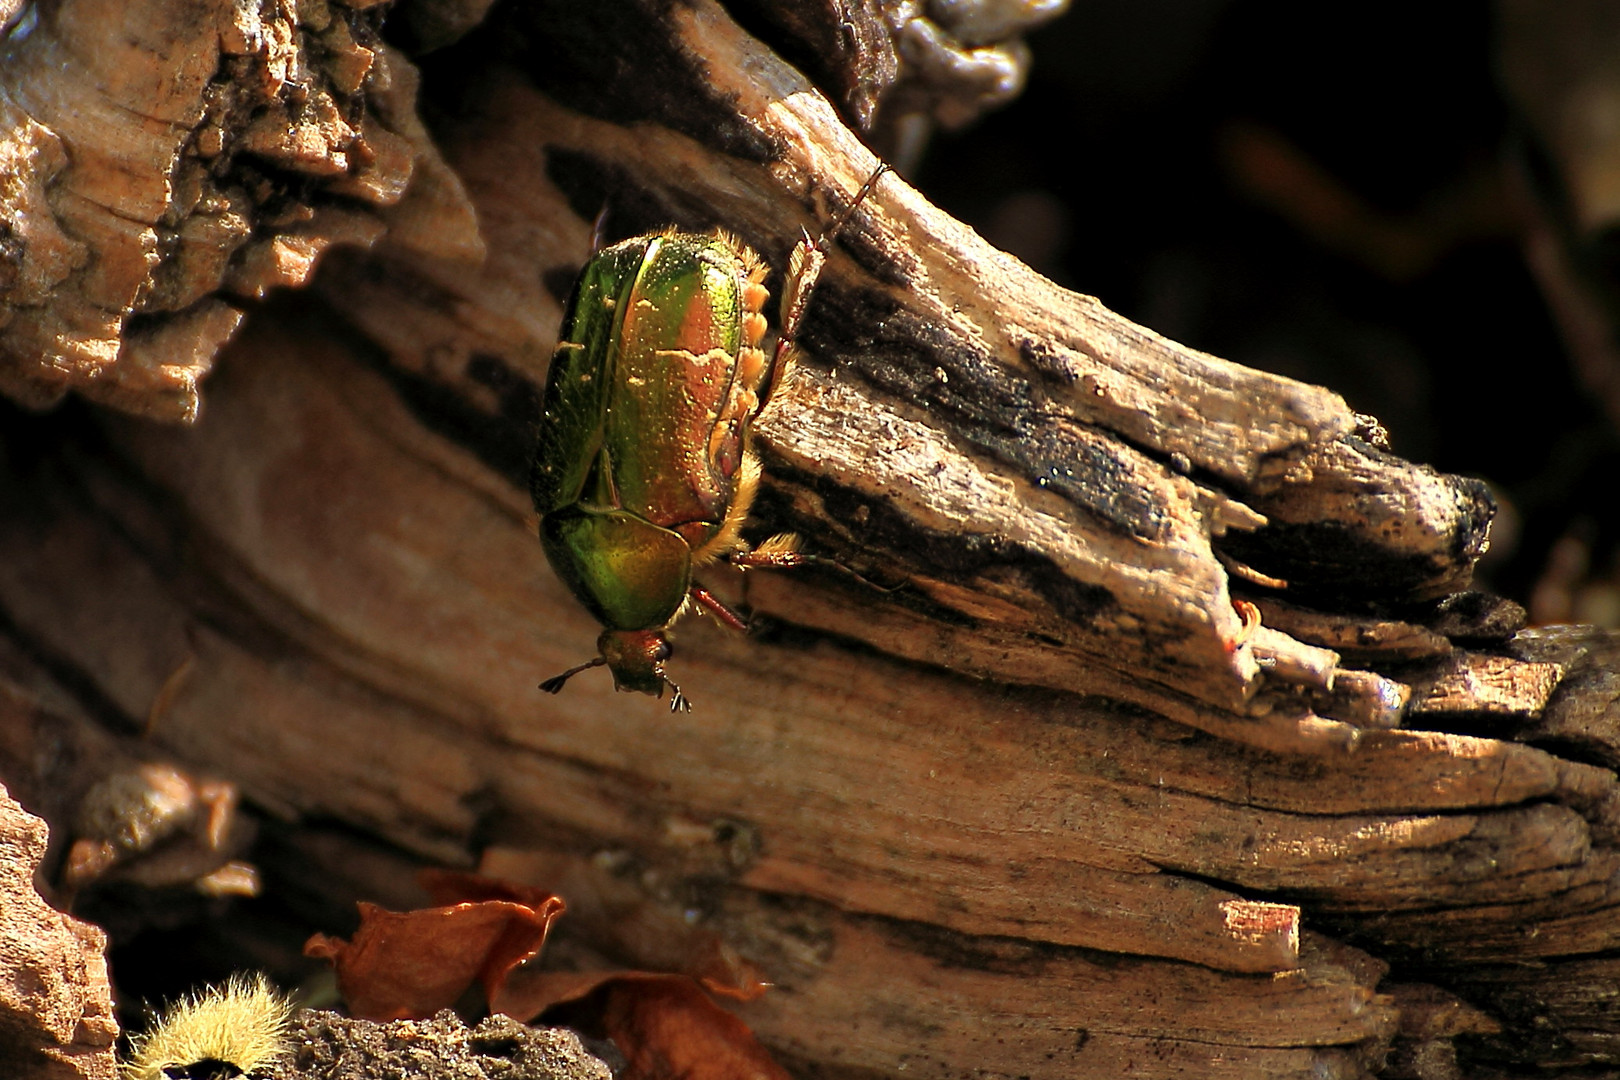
(1026, 794)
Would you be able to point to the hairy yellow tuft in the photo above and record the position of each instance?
(243, 1023)
(780, 544)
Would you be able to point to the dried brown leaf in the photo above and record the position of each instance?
(669, 1029)
(409, 965)
(666, 1026)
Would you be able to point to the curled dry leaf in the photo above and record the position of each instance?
(666, 1026)
(704, 957)
(613, 902)
(409, 965)
(460, 887)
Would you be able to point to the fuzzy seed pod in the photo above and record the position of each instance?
(242, 1025)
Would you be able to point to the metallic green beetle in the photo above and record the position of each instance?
(643, 469)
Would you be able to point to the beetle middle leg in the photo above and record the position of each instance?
(779, 552)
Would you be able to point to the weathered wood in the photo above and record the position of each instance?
(1431, 1019)
(1367, 639)
(1579, 992)
(1098, 887)
(1351, 510)
(163, 162)
(1482, 685)
(1582, 714)
(1029, 796)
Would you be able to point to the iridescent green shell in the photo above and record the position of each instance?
(643, 422)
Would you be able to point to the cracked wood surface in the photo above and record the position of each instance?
(1042, 781)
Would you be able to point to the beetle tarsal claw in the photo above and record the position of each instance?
(678, 703)
(554, 684)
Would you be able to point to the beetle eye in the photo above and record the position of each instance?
(662, 651)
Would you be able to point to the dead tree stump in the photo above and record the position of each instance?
(1029, 796)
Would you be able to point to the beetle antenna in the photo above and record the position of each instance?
(599, 228)
(554, 684)
(680, 702)
(823, 560)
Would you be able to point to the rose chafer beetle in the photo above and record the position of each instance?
(643, 470)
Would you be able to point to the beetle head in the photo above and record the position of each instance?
(636, 658)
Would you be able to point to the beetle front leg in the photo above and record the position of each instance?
(780, 552)
(711, 603)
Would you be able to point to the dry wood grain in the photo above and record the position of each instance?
(1031, 799)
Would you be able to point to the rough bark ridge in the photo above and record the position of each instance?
(168, 161)
(1044, 805)
(56, 1010)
